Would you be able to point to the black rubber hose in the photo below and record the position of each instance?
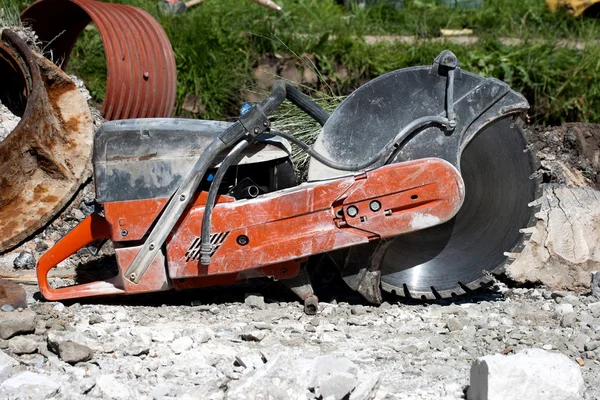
(206, 246)
(306, 104)
(396, 141)
(237, 131)
(275, 99)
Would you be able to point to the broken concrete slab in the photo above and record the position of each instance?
(565, 244)
(532, 374)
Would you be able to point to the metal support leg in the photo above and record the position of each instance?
(301, 286)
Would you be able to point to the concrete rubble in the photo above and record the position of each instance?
(564, 248)
(398, 351)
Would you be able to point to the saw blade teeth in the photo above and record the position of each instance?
(535, 203)
(528, 231)
(510, 255)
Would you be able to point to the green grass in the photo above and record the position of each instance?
(9, 14)
(218, 43)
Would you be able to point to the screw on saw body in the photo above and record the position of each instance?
(352, 211)
(124, 232)
(375, 206)
(242, 240)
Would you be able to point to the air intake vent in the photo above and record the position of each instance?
(216, 239)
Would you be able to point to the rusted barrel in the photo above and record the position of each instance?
(45, 158)
(140, 62)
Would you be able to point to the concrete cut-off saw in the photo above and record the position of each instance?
(420, 183)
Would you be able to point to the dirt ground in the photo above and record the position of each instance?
(569, 154)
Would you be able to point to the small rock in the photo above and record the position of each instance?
(181, 345)
(596, 284)
(95, 319)
(255, 301)
(580, 340)
(6, 365)
(25, 260)
(41, 246)
(59, 307)
(28, 385)
(86, 384)
(591, 346)
(136, 350)
(337, 386)
(530, 374)
(77, 214)
(366, 388)
(328, 311)
(564, 308)
(358, 310)
(594, 309)
(263, 326)
(204, 336)
(310, 328)
(162, 336)
(250, 359)
(590, 355)
(568, 320)
(14, 323)
(357, 321)
(73, 353)
(22, 345)
(254, 336)
(109, 387)
(315, 321)
(455, 324)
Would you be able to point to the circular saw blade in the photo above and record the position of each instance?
(459, 255)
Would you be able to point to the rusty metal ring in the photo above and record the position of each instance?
(44, 160)
(140, 63)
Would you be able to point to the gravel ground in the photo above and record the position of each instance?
(254, 349)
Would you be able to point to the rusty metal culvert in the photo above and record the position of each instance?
(140, 62)
(44, 160)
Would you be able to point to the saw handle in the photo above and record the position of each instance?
(92, 228)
